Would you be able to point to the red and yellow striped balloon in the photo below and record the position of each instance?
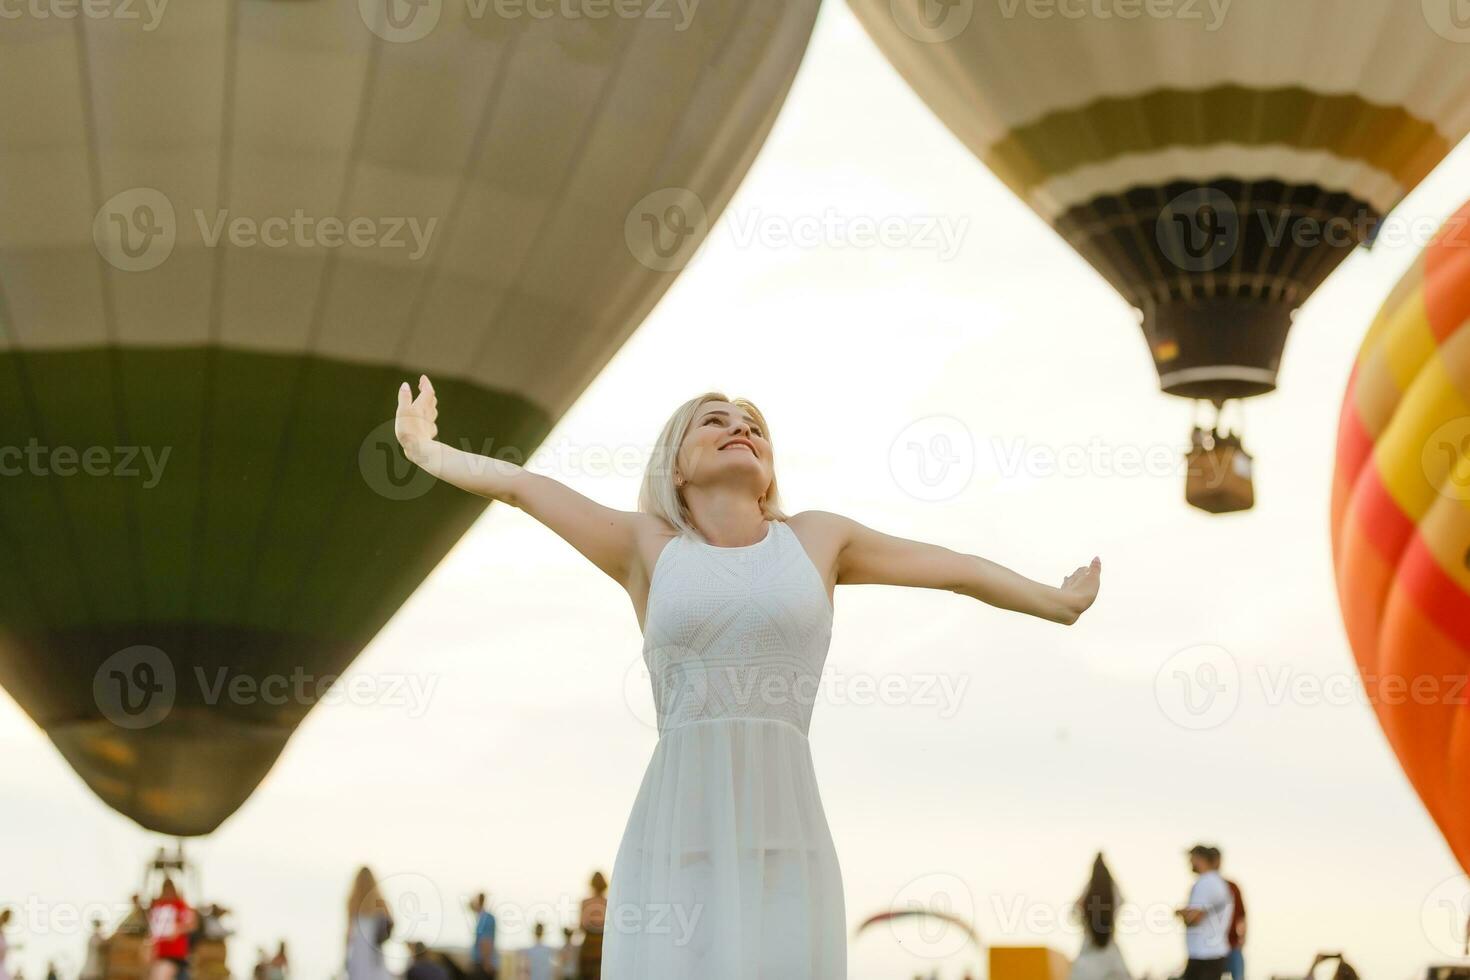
(1401, 524)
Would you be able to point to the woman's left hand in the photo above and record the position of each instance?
(1079, 589)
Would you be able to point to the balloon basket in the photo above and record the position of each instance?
(1218, 471)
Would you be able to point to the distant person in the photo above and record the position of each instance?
(484, 957)
(1235, 959)
(262, 965)
(540, 958)
(423, 964)
(594, 914)
(51, 973)
(369, 924)
(279, 967)
(566, 957)
(1099, 958)
(135, 923)
(94, 964)
(212, 923)
(1206, 918)
(1344, 970)
(4, 946)
(170, 921)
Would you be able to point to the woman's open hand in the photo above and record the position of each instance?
(414, 424)
(1080, 588)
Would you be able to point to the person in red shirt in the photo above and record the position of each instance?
(1235, 963)
(170, 921)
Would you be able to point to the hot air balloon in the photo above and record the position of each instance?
(1213, 166)
(225, 237)
(1401, 524)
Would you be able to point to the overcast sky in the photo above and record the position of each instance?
(965, 755)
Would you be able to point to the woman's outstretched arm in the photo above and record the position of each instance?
(604, 535)
(869, 557)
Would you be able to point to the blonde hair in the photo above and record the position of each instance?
(364, 899)
(660, 495)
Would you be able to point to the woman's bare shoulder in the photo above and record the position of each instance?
(820, 527)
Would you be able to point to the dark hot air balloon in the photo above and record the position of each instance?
(1214, 164)
(225, 238)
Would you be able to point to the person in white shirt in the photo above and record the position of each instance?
(539, 957)
(1206, 918)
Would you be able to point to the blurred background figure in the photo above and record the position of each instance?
(4, 947)
(369, 924)
(51, 973)
(423, 964)
(1206, 918)
(566, 957)
(94, 963)
(540, 958)
(1097, 908)
(136, 921)
(262, 965)
(212, 922)
(279, 967)
(594, 912)
(170, 921)
(1235, 960)
(484, 958)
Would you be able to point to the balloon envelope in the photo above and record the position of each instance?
(1401, 524)
(1213, 167)
(225, 238)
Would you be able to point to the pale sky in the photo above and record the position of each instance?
(965, 754)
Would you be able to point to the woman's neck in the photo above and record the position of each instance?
(726, 519)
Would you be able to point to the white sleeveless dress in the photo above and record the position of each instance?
(727, 869)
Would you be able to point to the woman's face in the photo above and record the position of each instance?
(725, 445)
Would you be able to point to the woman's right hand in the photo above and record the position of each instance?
(414, 426)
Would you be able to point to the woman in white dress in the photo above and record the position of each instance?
(726, 870)
(1097, 910)
(369, 924)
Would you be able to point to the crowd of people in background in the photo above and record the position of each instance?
(1213, 918)
(370, 926)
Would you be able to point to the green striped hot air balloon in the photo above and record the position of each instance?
(225, 237)
(1214, 161)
